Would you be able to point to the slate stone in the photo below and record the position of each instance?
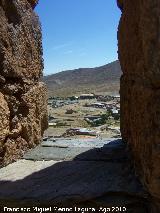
(111, 151)
(92, 142)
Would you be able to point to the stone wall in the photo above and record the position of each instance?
(139, 54)
(23, 109)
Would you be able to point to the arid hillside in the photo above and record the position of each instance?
(104, 79)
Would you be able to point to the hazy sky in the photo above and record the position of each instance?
(78, 33)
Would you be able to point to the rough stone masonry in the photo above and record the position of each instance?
(139, 55)
(23, 108)
(23, 114)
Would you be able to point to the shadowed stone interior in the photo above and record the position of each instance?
(139, 51)
(23, 110)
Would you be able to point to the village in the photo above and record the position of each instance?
(87, 116)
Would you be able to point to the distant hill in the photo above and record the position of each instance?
(103, 79)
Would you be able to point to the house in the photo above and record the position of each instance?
(95, 105)
(116, 97)
(104, 98)
(86, 96)
(52, 124)
(81, 131)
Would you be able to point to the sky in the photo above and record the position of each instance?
(78, 33)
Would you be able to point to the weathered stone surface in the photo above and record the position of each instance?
(20, 42)
(86, 182)
(35, 121)
(14, 148)
(23, 112)
(95, 178)
(139, 53)
(4, 124)
(4, 118)
(33, 2)
(73, 142)
(120, 4)
(113, 150)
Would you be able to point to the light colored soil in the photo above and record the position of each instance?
(77, 119)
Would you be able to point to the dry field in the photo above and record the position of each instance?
(76, 119)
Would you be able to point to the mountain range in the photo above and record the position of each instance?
(104, 79)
